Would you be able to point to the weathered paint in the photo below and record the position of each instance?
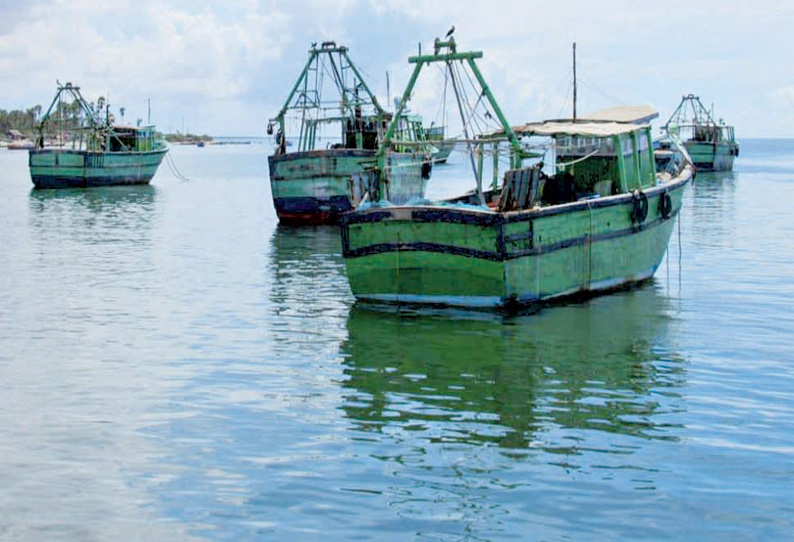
(601, 221)
(313, 187)
(712, 156)
(101, 153)
(480, 258)
(65, 168)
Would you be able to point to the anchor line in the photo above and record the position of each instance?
(174, 169)
(680, 257)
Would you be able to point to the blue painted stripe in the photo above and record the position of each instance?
(423, 247)
(500, 254)
(334, 204)
(489, 218)
(59, 181)
(510, 303)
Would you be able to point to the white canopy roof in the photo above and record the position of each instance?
(622, 119)
(635, 114)
(588, 129)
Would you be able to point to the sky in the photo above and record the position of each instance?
(225, 68)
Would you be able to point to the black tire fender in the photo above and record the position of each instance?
(639, 210)
(665, 205)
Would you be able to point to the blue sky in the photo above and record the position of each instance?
(224, 68)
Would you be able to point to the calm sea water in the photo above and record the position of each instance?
(176, 366)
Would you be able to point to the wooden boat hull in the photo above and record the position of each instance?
(311, 187)
(64, 168)
(712, 156)
(453, 256)
(314, 187)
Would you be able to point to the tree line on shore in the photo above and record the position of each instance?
(26, 122)
(64, 116)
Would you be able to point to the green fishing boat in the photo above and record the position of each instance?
(79, 146)
(336, 139)
(600, 219)
(444, 145)
(711, 145)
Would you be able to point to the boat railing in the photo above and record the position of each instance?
(680, 159)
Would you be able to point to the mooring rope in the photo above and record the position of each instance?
(174, 169)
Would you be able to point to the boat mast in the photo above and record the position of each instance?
(302, 98)
(477, 176)
(446, 52)
(574, 81)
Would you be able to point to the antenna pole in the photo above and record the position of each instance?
(574, 81)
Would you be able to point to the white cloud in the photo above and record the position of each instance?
(137, 49)
(783, 96)
(197, 58)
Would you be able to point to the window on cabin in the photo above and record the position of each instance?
(582, 146)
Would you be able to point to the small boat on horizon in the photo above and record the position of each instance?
(20, 145)
(93, 151)
(588, 214)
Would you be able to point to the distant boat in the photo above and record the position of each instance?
(97, 152)
(319, 180)
(711, 145)
(600, 220)
(17, 141)
(444, 145)
(20, 145)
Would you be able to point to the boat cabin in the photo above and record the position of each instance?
(131, 138)
(589, 159)
(120, 139)
(707, 133)
(363, 132)
(594, 159)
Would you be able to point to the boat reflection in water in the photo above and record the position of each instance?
(308, 271)
(92, 255)
(95, 199)
(309, 296)
(488, 420)
(528, 382)
(93, 215)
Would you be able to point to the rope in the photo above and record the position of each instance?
(582, 159)
(174, 169)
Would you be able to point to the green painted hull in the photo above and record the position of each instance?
(448, 255)
(314, 187)
(712, 156)
(63, 168)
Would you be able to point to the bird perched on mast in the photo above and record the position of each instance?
(451, 30)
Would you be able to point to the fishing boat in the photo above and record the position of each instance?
(411, 127)
(582, 212)
(20, 145)
(94, 150)
(710, 144)
(18, 141)
(444, 145)
(337, 139)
